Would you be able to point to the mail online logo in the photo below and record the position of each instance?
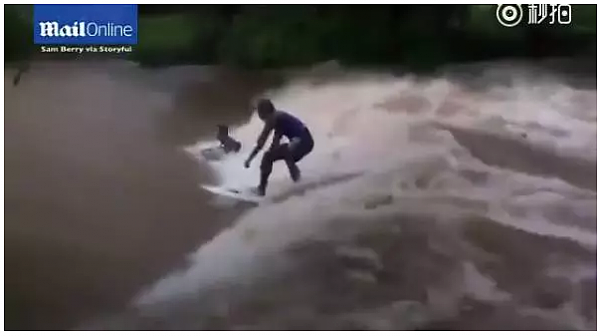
(85, 24)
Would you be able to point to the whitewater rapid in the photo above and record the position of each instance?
(434, 161)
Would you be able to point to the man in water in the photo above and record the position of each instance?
(300, 142)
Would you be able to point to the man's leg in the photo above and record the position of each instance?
(291, 155)
(266, 166)
(297, 150)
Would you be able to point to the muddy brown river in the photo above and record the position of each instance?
(471, 202)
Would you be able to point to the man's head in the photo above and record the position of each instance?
(265, 108)
(223, 131)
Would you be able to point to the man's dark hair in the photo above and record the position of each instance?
(265, 106)
(223, 129)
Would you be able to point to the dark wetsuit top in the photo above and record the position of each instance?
(285, 124)
(290, 126)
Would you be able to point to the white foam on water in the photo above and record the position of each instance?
(385, 128)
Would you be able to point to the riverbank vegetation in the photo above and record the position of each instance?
(252, 36)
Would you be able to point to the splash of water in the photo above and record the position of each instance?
(398, 134)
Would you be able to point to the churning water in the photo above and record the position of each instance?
(444, 202)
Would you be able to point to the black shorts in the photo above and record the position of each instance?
(299, 151)
(304, 147)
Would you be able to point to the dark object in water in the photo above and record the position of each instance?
(228, 143)
(20, 71)
(17, 79)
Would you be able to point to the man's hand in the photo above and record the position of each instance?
(247, 163)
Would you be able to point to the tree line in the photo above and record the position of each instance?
(259, 36)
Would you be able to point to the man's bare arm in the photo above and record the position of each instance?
(264, 135)
(276, 140)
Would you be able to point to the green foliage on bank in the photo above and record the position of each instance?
(416, 36)
(18, 33)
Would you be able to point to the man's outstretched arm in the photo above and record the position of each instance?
(264, 135)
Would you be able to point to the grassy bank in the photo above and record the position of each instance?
(420, 37)
(176, 38)
(18, 33)
(416, 36)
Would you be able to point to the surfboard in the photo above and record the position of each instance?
(239, 194)
(282, 194)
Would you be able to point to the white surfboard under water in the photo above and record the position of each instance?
(281, 191)
(245, 195)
